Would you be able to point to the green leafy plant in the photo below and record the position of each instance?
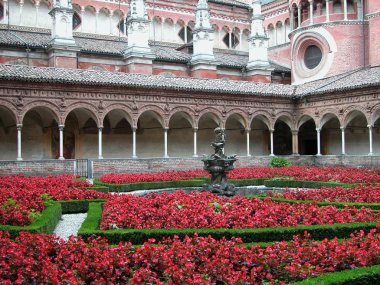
(279, 162)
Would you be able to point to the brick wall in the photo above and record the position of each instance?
(99, 167)
(37, 167)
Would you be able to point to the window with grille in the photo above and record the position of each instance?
(234, 40)
(76, 20)
(313, 56)
(189, 31)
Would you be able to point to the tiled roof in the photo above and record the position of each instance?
(116, 46)
(105, 78)
(360, 78)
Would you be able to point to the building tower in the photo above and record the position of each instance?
(63, 49)
(138, 55)
(258, 67)
(203, 62)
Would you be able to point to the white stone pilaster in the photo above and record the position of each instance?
(343, 141)
(327, 10)
(248, 142)
(19, 129)
(311, 13)
(134, 154)
(60, 129)
(166, 143)
(345, 9)
(271, 142)
(195, 143)
(100, 142)
(370, 140)
(318, 141)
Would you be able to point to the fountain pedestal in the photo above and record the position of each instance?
(218, 165)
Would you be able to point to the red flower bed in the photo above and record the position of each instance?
(126, 178)
(205, 210)
(366, 194)
(342, 174)
(21, 196)
(44, 259)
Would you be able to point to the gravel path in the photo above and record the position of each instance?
(69, 225)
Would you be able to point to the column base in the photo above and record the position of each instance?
(166, 156)
(100, 157)
(272, 154)
(134, 156)
(61, 158)
(195, 155)
(248, 155)
(19, 159)
(370, 154)
(318, 154)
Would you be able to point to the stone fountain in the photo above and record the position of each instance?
(218, 165)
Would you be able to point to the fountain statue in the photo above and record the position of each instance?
(218, 165)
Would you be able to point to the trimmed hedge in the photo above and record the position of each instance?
(150, 185)
(302, 183)
(358, 276)
(77, 206)
(139, 236)
(247, 182)
(339, 205)
(46, 223)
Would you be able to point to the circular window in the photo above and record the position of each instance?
(313, 56)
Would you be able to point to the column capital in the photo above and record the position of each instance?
(318, 130)
(295, 132)
(165, 129)
(271, 131)
(369, 126)
(342, 129)
(247, 129)
(19, 126)
(101, 127)
(195, 129)
(61, 126)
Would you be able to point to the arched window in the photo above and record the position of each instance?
(1, 11)
(76, 20)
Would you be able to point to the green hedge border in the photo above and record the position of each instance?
(357, 276)
(147, 185)
(138, 236)
(198, 182)
(45, 223)
(77, 206)
(339, 205)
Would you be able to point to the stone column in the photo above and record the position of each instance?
(343, 142)
(5, 16)
(111, 15)
(295, 142)
(318, 141)
(360, 9)
(271, 142)
(327, 10)
(195, 142)
(345, 9)
(134, 155)
(166, 143)
(37, 8)
(82, 12)
(60, 128)
(20, 12)
(299, 17)
(185, 34)
(230, 39)
(19, 128)
(100, 142)
(96, 21)
(370, 140)
(162, 29)
(311, 13)
(241, 40)
(248, 143)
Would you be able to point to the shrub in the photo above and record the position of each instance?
(279, 162)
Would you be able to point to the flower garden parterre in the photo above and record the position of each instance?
(45, 259)
(206, 210)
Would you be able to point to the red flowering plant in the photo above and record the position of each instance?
(126, 178)
(341, 174)
(365, 194)
(22, 198)
(206, 210)
(45, 259)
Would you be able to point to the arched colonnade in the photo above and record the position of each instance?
(41, 131)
